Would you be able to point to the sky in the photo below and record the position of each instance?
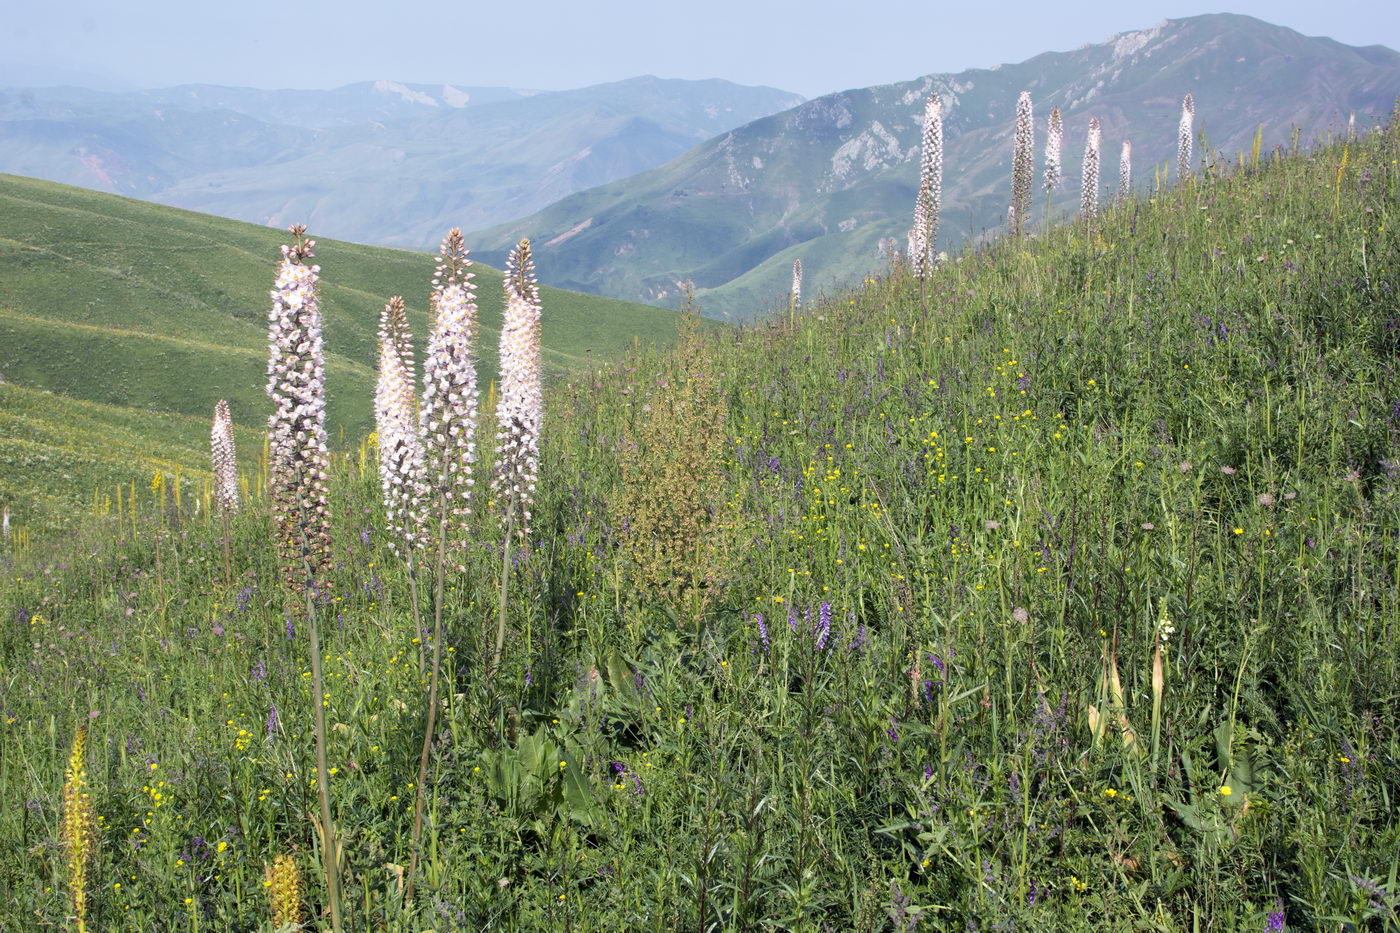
(812, 47)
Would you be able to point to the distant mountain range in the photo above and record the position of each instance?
(826, 181)
(378, 162)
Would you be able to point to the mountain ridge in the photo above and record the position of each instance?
(732, 213)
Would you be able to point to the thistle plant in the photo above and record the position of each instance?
(519, 413)
(401, 472)
(447, 419)
(1022, 163)
(930, 197)
(298, 467)
(1089, 201)
(795, 301)
(1125, 171)
(284, 892)
(298, 472)
(1185, 131)
(79, 827)
(224, 458)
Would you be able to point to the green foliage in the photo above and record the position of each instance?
(979, 507)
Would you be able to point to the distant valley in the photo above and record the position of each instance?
(377, 162)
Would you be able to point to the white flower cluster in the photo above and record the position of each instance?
(224, 458)
(1054, 141)
(520, 411)
(924, 238)
(1125, 171)
(797, 283)
(401, 473)
(298, 463)
(1089, 202)
(447, 419)
(1022, 163)
(1185, 132)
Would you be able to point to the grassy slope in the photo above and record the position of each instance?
(155, 309)
(1182, 426)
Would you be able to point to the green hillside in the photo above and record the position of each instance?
(1054, 593)
(154, 309)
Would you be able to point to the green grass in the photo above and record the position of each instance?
(155, 309)
(1181, 427)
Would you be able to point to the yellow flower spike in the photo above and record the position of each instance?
(283, 879)
(79, 827)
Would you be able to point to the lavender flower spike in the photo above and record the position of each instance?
(224, 458)
(520, 412)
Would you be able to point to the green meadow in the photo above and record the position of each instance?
(163, 312)
(1055, 592)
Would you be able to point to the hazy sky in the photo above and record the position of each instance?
(810, 47)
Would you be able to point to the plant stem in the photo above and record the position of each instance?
(419, 790)
(228, 552)
(330, 852)
(505, 592)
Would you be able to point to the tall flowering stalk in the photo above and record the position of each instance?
(1054, 143)
(1089, 200)
(79, 827)
(930, 198)
(224, 458)
(448, 431)
(1125, 171)
(298, 468)
(795, 300)
(1022, 163)
(1185, 132)
(519, 414)
(298, 473)
(401, 472)
(447, 419)
(520, 410)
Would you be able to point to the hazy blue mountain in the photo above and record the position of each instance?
(379, 162)
(828, 180)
